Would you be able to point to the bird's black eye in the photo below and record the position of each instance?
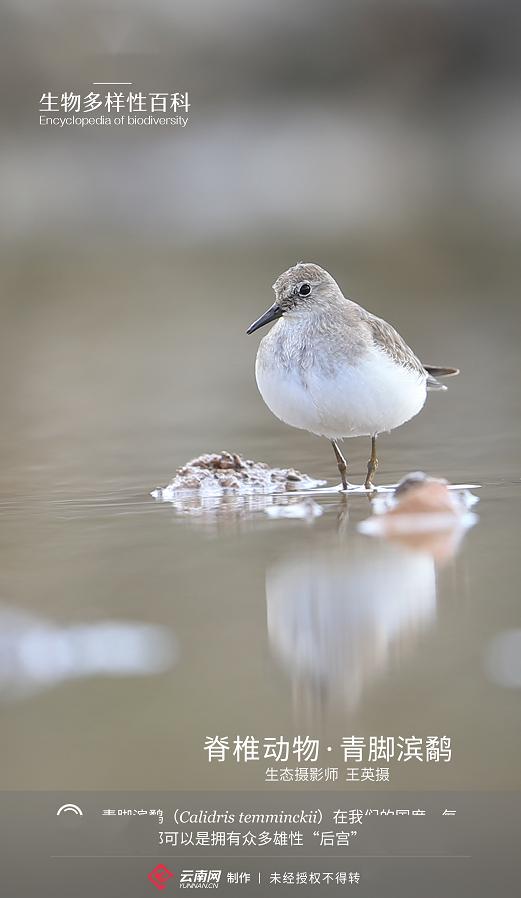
(304, 290)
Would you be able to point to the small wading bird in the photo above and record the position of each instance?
(332, 368)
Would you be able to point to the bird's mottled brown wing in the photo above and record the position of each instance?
(389, 341)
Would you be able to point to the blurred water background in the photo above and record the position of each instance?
(381, 141)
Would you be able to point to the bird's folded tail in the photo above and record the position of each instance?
(435, 371)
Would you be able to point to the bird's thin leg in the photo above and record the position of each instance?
(342, 518)
(342, 464)
(372, 465)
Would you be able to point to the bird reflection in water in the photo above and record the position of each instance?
(340, 616)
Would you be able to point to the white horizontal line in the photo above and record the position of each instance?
(112, 82)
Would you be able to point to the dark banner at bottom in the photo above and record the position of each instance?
(358, 843)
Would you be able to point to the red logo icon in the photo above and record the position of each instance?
(159, 876)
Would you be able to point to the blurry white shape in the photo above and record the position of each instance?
(236, 205)
(306, 510)
(333, 618)
(35, 654)
(503, 659)
(416, 523)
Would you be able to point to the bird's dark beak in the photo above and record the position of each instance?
(270, 314)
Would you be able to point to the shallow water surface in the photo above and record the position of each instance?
(133, 629)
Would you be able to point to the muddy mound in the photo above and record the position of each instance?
(220, 473)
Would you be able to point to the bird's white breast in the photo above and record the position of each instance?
(371, 395)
